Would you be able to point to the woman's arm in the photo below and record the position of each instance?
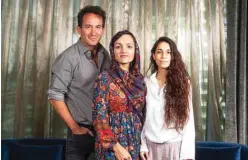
(100, 112)
(144, 153)
(188, 140)
(100, 115)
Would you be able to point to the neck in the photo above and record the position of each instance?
(161, 76)
(124, 67)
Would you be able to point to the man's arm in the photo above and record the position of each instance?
(64, 113)
(61, 77)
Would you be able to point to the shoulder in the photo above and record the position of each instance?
(148, 79)
(71, 52)
(103, 51)
(104, 77)
(68, 54)
(102, 82)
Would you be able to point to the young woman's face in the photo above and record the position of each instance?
(124, 49)
(162, 55)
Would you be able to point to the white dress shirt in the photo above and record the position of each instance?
(154, 129)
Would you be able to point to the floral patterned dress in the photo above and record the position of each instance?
(112, 121)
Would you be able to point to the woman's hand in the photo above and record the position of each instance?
(121, 153)
(144, 155)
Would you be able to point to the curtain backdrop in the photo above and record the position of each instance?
(237, 89)
(34, 32)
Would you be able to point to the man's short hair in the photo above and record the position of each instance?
(91, 9)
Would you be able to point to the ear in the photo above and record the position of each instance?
(153, 56)
(103, 30)
(79, 30)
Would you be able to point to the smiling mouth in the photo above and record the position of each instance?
(93, 39)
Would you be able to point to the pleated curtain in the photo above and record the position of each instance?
(35, 32)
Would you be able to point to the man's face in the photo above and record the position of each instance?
(91, 30)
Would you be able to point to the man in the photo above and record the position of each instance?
(73, 75)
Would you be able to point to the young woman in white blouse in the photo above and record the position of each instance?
(168, 132)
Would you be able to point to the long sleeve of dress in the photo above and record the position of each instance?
(100, 112)
(188, 140)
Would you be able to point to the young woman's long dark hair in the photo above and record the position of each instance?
(177, 87)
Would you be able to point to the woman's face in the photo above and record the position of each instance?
(124, 49)
(162, 55)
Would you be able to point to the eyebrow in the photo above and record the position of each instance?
(92, 25)
(120, 43)
(162, 50)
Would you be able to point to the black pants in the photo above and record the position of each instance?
(79, 147)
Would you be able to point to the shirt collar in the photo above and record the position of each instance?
(154, 79)
(83, 49)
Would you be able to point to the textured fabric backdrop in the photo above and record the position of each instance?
(237, 89)
(34, 32)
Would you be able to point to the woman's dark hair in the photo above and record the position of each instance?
(177, 86)
(133, 64)
(91, 9)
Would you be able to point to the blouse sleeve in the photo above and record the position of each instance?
(100, 112)
(143, 147)
(188, 141)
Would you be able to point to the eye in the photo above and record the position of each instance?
(87, 26)
(129, 47)
(159, 52)
(117, 47)
(169, 52)
(99, 27)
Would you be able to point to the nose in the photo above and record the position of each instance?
(164, 55)
(123, 49)
(93, 31)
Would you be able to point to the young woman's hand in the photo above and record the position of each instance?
(144, 155)
(121, 153)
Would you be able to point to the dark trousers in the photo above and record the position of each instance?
(80, 147)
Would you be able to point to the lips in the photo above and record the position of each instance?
(123, 56)
(164, 61)
(93, 39)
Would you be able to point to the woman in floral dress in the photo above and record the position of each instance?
(119, 97)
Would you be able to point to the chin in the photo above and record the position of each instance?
(163, 65)
(94, 44)
(124, 62)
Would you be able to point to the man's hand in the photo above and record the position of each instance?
(64, 113)
(121, 153)
(144, 155)
(81, 130)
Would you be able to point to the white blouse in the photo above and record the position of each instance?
(154, 129)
